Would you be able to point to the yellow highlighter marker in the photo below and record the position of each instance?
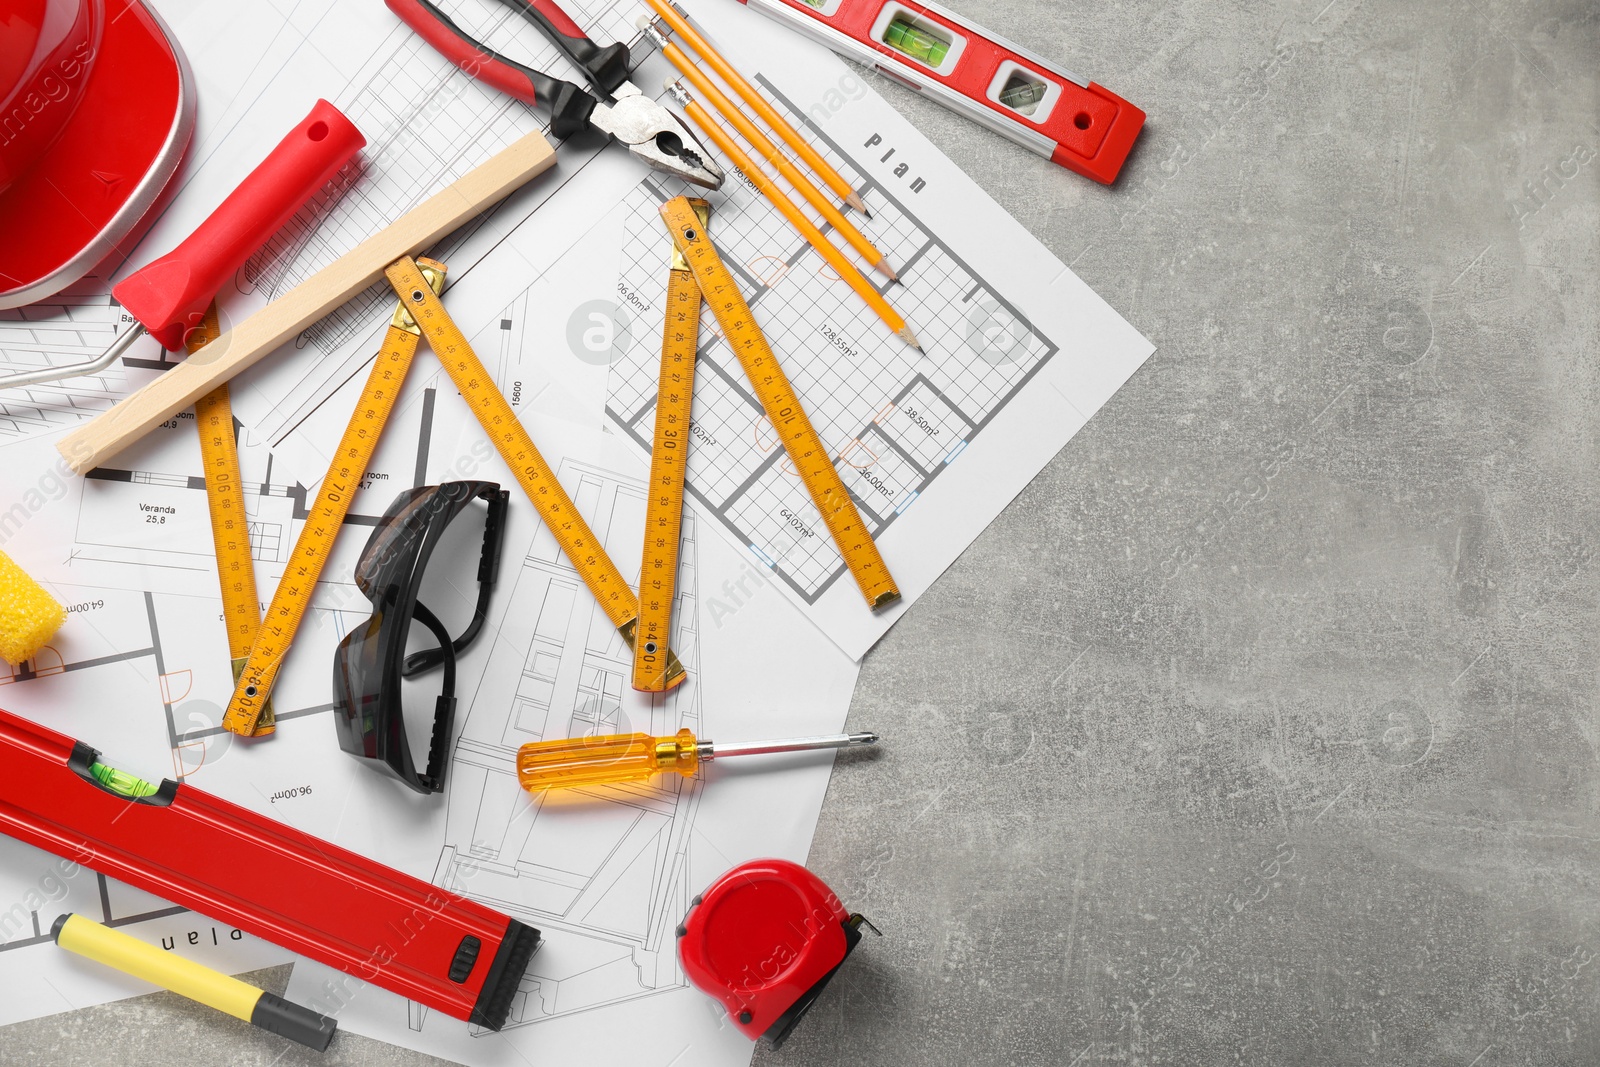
(193, 980)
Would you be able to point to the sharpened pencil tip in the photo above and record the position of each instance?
(858, 204)
(883, 265)
(910, 338)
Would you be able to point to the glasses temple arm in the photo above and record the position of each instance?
(444, 709)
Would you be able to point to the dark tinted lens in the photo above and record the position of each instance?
(372, 706)
(357, 686)
(392, 546)
(377, 715)
(398, 545)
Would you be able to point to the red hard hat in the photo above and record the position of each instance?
(96, 110)
(45, 59)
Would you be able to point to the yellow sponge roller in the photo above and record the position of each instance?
(29, 616)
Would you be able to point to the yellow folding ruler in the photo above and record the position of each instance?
(312, 548)
(489, 405)
(782, 405)
(669, 462)
(230, 527)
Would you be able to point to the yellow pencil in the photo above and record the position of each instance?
(758, 103)
(774, 155)
(797, 218)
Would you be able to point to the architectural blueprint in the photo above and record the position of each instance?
(1019, 354)
(140, 670)
(606, 874)
(931, 445)
(606, 880)
(607, 883)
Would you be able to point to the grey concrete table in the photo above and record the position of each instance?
(1261, 729)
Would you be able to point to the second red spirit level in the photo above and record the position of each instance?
(1043, 107)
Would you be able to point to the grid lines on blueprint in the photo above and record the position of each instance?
(69, 328)
(428, 124)
(892, 417)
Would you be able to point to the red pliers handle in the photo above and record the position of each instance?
(649, 131)
(570, 106)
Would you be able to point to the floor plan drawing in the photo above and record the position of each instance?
(894, 418)
(72, 327)
(107, 902)
(602, 874)
(183, 545)
(156, 515)
(605, 873)
(158, 651)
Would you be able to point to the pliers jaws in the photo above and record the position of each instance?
(658, 137)
(616, 107)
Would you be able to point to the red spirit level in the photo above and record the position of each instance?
(1071, 121)
(764, 940)
(268, 879)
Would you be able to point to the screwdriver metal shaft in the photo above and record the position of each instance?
(710, 750)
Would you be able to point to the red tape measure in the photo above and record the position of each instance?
(764, 940)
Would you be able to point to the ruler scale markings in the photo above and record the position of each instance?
(230, 525)
(782, 405)
(326, 515)
(582, 548)
(669, 460)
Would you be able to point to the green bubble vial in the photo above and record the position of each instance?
(121, 782)
(919, 44)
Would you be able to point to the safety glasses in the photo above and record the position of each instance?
(370, 662)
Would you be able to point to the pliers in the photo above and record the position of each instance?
(650, 131)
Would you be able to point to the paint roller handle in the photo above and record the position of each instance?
(169, 297)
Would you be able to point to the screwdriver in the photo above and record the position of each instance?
(617, 758)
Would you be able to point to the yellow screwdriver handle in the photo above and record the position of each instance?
(606, 760)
